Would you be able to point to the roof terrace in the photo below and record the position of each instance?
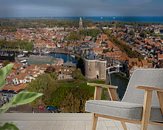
(59, 121)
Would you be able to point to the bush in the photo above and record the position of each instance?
(77, 75)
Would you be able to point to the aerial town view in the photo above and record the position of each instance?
(67, 69)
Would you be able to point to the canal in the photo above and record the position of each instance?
(119, 80)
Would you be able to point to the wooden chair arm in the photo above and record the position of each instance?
(147, 88)
(112, 90)
(102, 85)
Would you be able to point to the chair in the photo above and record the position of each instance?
(142, 103)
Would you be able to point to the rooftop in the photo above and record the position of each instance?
(58, 121)
(35, 59)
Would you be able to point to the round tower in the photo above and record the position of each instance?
(90, 69)
(102, 69)
(95, 69)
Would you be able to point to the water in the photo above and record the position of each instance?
(65, 57)
(121, 82)
(142, 19)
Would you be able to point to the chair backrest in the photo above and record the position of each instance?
(146, 77)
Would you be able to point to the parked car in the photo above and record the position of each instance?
(53, 109)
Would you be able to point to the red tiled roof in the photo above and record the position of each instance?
(15, 88)
(160, 56)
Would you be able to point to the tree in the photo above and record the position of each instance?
(105, 50)
(50, 69)
(41, 83)
(45, 84)
(80, 65)
(124, 47)
(90, 32)
(16, 45)
(6, 62)
(132, 33)
(78, 75)
(143, 34)
(73, 36)
(52, 72)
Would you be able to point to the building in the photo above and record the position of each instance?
(95, 69)
(38, 60)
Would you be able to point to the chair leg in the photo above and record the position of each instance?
(144, 126)
(124, 125)
(146, 110)
(94, 122)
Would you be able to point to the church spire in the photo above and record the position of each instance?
(80, 23)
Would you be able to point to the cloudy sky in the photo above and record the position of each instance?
(53, 8)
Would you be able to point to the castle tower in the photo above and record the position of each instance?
(95, 69)
(80, 23)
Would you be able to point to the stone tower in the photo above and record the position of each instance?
(95, 69)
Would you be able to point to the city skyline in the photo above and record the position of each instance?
(65, 8)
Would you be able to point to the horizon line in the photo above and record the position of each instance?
(78, 16)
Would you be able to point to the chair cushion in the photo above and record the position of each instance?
(131, 111)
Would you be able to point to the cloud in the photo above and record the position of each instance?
(139, 2)
(41, 11)
(6, 11)
(27, 8)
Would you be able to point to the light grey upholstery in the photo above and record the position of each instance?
(146, 77)
(132, 111)
(131, 105)
(115, 108)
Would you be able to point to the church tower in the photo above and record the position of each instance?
(80, 23)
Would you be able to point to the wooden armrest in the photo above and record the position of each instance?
(112, 90)
(147, 88)
(102, 85)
